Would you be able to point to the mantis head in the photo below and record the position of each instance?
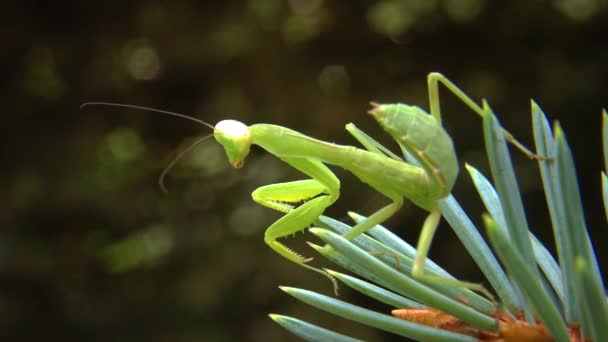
(235, 137)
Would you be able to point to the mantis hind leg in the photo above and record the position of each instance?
(422, 249)
(433, 81)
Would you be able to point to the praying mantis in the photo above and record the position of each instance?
(424, 182)
(429, 178)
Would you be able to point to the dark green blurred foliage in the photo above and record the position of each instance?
(91, 249)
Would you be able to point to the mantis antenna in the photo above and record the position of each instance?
(161, 178)
(112, 104)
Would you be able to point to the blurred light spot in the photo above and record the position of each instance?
(208, 158)
(233, 39)
(389, 18)
(145, 248)
(334, 80)
(41, 77)
(245, 220)
(395, 17)
(267, 12)
(580, 10)
(305, 7)
(124, 144)
(301, 28)
(463, 11)
(142, 62)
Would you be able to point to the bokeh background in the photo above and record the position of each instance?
(92, 250)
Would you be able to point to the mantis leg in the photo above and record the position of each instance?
(433, 81)
(370, 143)
(296, 220)
(318, 193)
(279, 196)
(424, 244)
(383, 214)
(375, 219)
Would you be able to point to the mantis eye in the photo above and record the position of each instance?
(232, 129)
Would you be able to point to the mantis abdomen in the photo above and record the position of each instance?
(423, 137)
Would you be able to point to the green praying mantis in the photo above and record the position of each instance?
(418, 134)
(425, 181)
